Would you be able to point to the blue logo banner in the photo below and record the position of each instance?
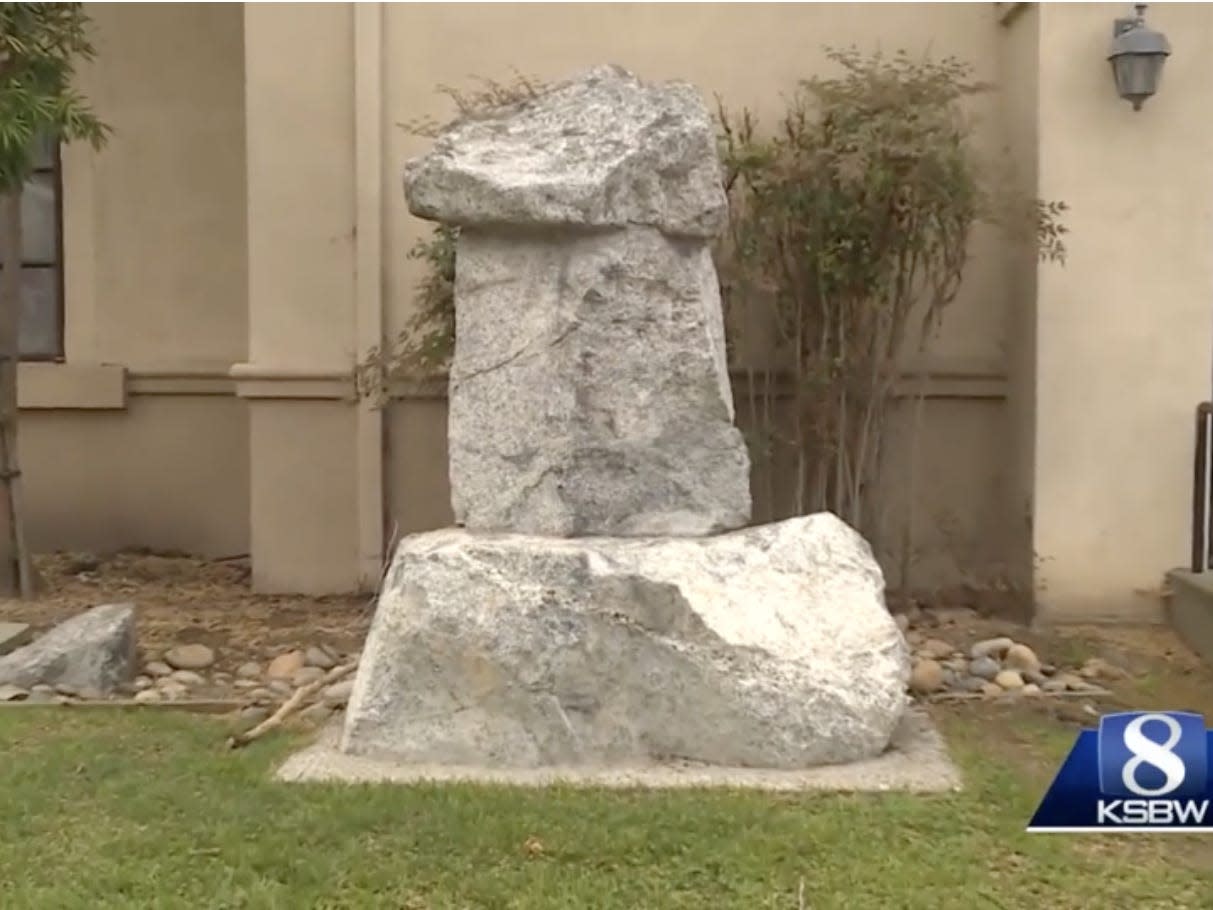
(1140, 771)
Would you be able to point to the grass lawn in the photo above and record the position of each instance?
(110, 809)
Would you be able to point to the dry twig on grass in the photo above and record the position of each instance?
(291, 706)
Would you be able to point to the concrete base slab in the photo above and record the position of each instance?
(13, 635)
(916, 761)
(1190, 610)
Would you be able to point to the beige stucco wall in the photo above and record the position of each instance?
(151, 451)
(154, 225)
(249, 216)
(300, 113)
(168, 472)
(243, 240)
(1018, 64)
(1123, 332)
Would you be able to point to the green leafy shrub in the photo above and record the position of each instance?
(849, 235)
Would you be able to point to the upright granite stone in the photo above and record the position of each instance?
(589, 393)
(769, 647)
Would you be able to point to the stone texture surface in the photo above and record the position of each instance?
(13, 635)
(1022, 658)
(991, 647)
(305, 676)
(94, 650)
(602, 150)
(769, 647)
(320, 656)
(339, 692)
(589, 391)
(927, 676)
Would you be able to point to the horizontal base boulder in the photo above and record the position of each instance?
(769, 647)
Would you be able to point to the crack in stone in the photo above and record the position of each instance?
(527, 348)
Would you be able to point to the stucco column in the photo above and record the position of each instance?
(316, 501)
(1018, 95)
(1124, 332)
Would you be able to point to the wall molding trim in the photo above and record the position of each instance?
(75, 386)
(264, 381)
(938, 377)
(70, 387)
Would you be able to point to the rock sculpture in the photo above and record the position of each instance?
(598, 606)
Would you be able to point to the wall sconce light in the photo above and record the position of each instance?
(1137, 56)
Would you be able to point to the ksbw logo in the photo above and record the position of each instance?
(1140, 771)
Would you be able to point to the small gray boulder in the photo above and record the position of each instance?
(94, 650)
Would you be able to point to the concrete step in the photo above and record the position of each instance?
(1190, 610)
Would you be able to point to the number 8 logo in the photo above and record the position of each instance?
(1157, 755)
